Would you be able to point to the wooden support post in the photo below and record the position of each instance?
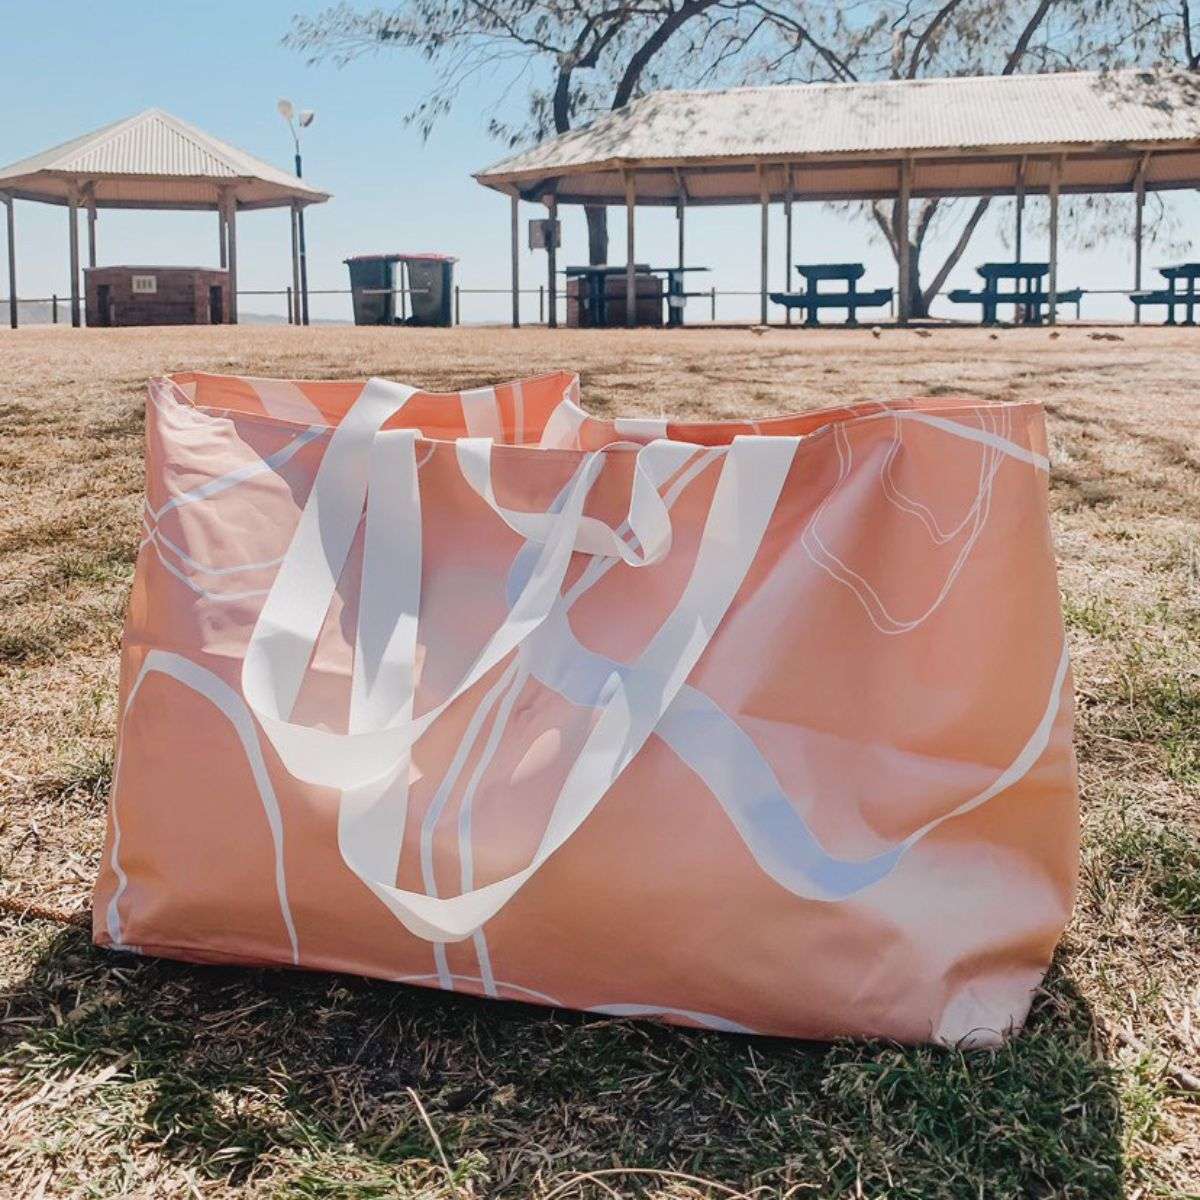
(552, 261)
(222, 235)
(1020, 215)
(1052, 289)
(787, 243)
(294, 307)
(9, 203)
(230, 203)
(73, 238)
(903, 259)
(680, 211)
(303, 306)
(516, 261)
(764, 274)
(1139, 192)
(630, 262)
(91, 223)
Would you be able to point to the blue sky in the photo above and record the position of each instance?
(70, 67)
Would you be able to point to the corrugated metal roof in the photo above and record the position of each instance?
(187, 163)
(885, 119)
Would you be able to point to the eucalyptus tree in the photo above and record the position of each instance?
(571, 60)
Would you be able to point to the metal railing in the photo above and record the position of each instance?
(60, 304)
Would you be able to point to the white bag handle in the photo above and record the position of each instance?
(648, 516)
(294, 611)
(370, 762)
(286, 632)
(630, 707)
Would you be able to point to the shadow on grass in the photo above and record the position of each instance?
(302, 1085)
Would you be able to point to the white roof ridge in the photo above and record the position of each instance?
(830, 84)
(204, 142)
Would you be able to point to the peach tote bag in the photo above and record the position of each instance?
(760, 727)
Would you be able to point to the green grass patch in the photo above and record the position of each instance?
(1095, 616)
(1163, 861)
(302, 1085)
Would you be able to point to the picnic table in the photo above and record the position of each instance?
(594, 283)
(1169, 297)
(1028, 295)
(812, 299)
(677, 294)
(595, 288)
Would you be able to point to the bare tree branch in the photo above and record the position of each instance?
(930, 31)
(951, 261)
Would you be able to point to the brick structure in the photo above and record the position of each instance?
(156, 296)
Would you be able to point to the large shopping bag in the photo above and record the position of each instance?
(752, 726)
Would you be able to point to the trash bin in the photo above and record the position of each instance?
(376, 278)
(431, 288)
(371, 286)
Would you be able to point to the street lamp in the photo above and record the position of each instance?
(303, 120)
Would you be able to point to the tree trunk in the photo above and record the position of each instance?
(917, 307)
(597, 223)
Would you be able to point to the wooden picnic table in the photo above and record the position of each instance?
(596, 290)
(812, 299)
(1170, 297)
(1028, 295)
(595, 279)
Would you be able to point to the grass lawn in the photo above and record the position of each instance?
(135, 1078)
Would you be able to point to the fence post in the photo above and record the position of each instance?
(457, 304)
(541, 304)
(714, 302)
(289, 304)
(54, 309)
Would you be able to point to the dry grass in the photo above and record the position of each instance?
(124, 1077)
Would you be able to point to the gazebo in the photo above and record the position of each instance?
(151, 160)
(1008, 135)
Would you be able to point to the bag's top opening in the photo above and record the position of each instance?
(544, 411)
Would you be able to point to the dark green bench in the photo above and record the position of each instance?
(1169, 297)
(813, 299)
(1168, 300)
(1031, 302)
(812, 302)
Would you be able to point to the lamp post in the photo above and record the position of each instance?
(296, 122)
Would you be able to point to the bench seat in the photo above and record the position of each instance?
(868, 299)
(810, 302)
(966, 296)
(1036, 301)
(1170, 301)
